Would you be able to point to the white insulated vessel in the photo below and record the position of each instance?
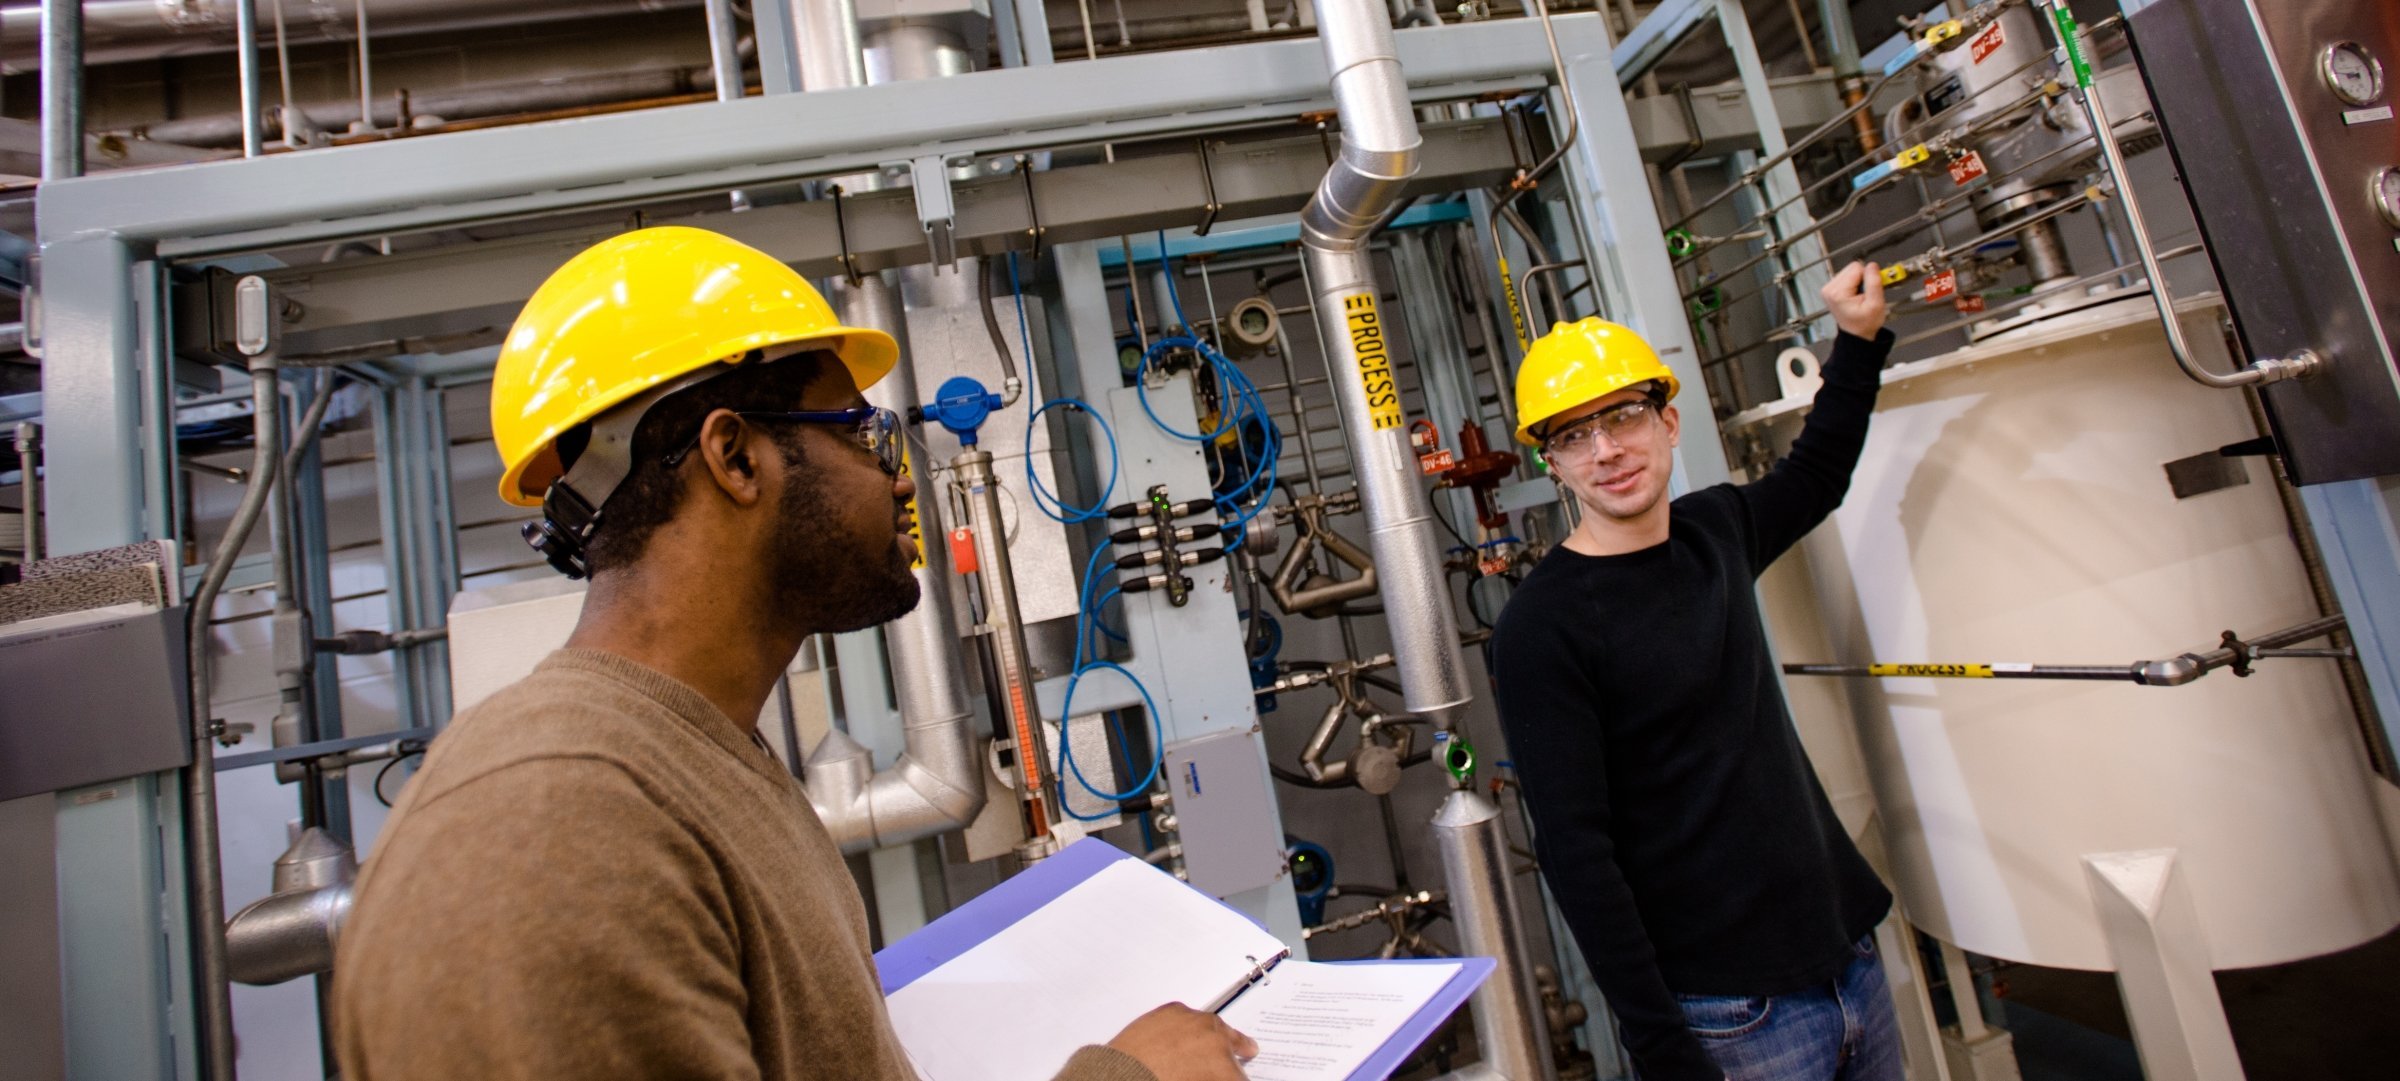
(2012, 506)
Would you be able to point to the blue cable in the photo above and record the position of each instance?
(1065, 513)
(1066, 756)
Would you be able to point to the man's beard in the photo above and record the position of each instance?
(827, 577)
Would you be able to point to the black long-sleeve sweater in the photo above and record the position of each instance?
(1675, 814)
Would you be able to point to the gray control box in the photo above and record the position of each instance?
(1224, 813)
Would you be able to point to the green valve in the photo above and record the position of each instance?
(2067, 34)
(1681, 242)
(1457, 756)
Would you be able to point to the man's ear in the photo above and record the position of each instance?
(1674, 421)
(730, 449)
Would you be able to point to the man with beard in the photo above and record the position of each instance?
(601, 872)
(1723, 909)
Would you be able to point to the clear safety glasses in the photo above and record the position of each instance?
(1618, 423)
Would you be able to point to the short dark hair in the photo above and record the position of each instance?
(649, 494)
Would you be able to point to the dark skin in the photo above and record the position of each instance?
(701, 606)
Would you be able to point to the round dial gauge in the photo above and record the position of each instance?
(2387, 196)
(2353, 74)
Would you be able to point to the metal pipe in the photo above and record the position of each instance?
(61, 31)
(292, 931)
(254, 141)
(202, 867)
(124, 30)
(827, 33)
(936, 784)
(29, 485)
(724, 49)
(1483, 905)
(225, 129)
(1378, 154)
(2264, 370)
(366, 71)
(2168, 672)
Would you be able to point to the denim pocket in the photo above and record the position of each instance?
(1721, 1017)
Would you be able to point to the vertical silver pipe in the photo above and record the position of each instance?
(202, 858)
(245, 22)
(1509, 1021)
(1378, 155)
(29, 485)
(366, 74)
(62, 89)
(1841, 37)
(724, 50)
(827, 33)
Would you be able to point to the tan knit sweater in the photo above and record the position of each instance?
(598, 875)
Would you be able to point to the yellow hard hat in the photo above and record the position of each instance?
(1581, 362)
(640, 309)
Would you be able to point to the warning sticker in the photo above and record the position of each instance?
(1971, 304)
(1967, 168)
(1492, 565)
(1952, 671)
(1439, 461)
(1987, 43)
(1942, 286)
(916, 530)
(1374, 360)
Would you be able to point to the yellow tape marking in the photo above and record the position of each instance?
(1951, 671)
(1374, 360)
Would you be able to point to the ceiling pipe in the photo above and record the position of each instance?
(118, 31)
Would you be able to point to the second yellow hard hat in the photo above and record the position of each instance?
(1580, 362)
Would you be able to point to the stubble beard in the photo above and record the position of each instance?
(840, 583)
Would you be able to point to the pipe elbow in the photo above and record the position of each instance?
(284, 936)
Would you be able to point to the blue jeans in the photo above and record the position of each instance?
(1843, 1030)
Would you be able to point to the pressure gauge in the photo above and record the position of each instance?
(2352, 73)
(2387, 195)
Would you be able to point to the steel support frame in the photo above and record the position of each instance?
(126, 983)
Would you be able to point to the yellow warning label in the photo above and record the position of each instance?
(1951, 671)
(1516, 311)
(1374, 360)
(916, 525)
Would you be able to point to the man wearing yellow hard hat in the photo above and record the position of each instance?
(1721, 905)
(600, 872)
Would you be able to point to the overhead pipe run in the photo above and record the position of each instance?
(119, 31)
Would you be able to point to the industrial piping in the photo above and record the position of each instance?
(1379, 154)
(936, 785)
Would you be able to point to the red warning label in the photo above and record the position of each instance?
(1965, 169)
(1942, 286)
(1987, 43)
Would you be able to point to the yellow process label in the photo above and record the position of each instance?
(1952, 671)
(1912, 157)
(1516, 311)
(1894, 274)
(1374, 360)
(916, 525)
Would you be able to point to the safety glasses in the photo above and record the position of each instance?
(873, 427)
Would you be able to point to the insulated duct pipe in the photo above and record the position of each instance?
(291, 932)
(1379, 153)
(936, 785)
(1509, 1020)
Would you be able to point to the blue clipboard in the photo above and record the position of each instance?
(906, 961)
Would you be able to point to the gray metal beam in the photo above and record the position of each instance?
(1660, 31)
(409, 184)
(467, 294)
(1726, 121)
